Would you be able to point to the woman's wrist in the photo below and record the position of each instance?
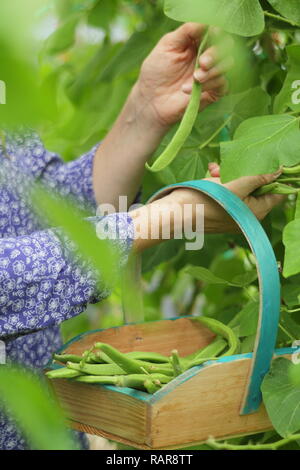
(139, 105)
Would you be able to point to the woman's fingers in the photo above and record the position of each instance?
(210, 97)
(184, 36)
(214, 170)
(217, 52)
(209, 58)
(219, 86)
(246, 185)
(261, 206)
(221, 68)
(218, 83)
(187, 87)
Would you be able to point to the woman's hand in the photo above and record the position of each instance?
(157, 100)
(167, 75)
(163, 215)
(216, 219)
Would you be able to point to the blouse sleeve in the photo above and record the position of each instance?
(44, 280)
(73, 179)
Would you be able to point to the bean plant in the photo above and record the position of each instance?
(75, 82)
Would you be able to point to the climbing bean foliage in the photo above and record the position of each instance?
(71, 82)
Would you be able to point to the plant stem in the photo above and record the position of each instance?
(292, 311)
(286, 332)
(272, 446)
(290, 113)
(217, 132)
(280, 18)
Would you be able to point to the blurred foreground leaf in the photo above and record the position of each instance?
(35, 410)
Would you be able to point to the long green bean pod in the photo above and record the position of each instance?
(97, 369)
(63, 373)
(224, 331)
(132, 366)
(67, 358)
(151, 386)
(276, 188)
(148, 357)
(136, 381)
(291, 170)
(289, 179)
(213, 349)
(186, 125)
(199, 361)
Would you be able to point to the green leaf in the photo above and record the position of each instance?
(290, 325)
(161, 253)
(246, 320)
(64, 37)
(289, 96)
(242, 17)
(65, 8)
(247, 345)
(203, 274)
(103, 13)
(37, 414)
(135, 50)
(290, 9)
(189, 165)
(291, 294)
(292, 251)
(244, 279)
(240, 106)
(282, 397)
(261, 145)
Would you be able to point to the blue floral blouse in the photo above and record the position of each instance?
(41, 285)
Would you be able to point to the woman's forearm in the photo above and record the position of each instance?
(120, 159)
(172, 216)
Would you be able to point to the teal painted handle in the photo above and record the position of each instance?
(268, 281)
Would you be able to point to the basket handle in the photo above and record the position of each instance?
(269, 283)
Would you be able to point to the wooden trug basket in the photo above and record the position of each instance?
(221, 398)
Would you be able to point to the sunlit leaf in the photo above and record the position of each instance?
(243, 17)
(63, 37)
(261, 145)
(288, 8)
(203, 274)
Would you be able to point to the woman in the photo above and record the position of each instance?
(39, 286)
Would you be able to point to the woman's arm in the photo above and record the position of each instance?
(167, 215)
(157, 101)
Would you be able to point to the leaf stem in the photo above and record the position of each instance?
(290, 113)
(286, 332)
(217, 132)
(291, 311)
(280, 18)
(271, 446)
